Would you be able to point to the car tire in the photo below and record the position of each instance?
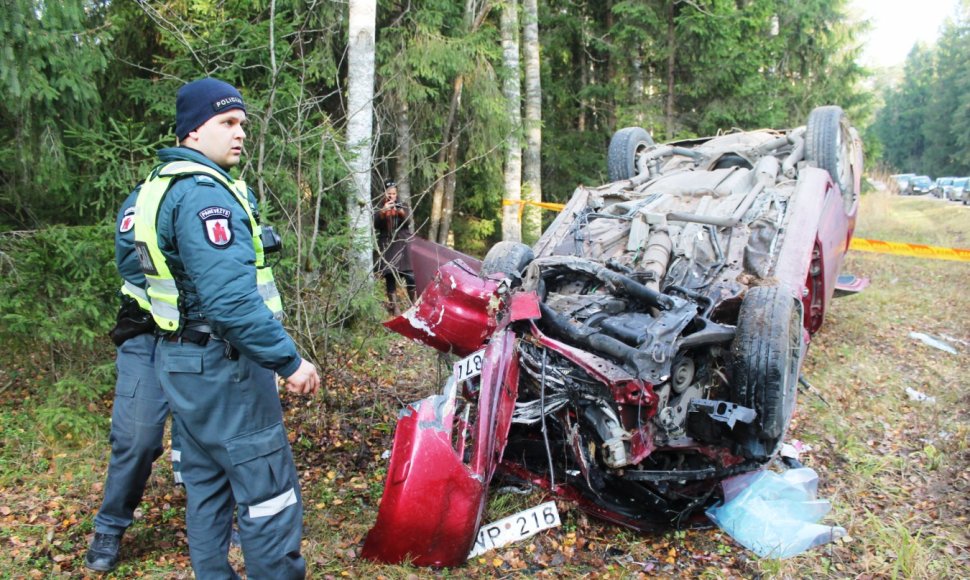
(625, 146)
(828, 146)
(508, 258)
(765, 357)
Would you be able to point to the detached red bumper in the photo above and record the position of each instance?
(435, 491)
(432, 502)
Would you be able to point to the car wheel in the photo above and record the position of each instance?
(625, 145)
(765, 359)
(509, 258)
(828, 146)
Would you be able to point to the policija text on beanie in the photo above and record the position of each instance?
(199, 101)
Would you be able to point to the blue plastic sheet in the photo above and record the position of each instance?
(775, 515)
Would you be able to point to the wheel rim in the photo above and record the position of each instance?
(814, 308)
(641, 147)
(844, 166)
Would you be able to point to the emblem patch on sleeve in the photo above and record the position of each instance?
(127, 221)
(218, 231)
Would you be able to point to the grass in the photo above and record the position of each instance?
(896, 471)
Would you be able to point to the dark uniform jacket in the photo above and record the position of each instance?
(216, 278)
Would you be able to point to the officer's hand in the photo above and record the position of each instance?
(305, 381)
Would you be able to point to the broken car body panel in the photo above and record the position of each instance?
(441, 464)
(456, 313)
(427, 257)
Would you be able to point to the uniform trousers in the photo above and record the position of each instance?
(137, 427)
(234, 454)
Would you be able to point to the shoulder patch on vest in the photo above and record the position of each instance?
(205, 180)
(127, 221)
(215, 222)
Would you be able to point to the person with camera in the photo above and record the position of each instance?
(391, 223)
(215, 301)
(139, 411)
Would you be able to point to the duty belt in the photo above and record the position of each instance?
(200, 334)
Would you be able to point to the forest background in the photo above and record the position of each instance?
(87, 93)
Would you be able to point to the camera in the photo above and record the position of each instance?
(272, 242)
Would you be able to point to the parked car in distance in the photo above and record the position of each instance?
(902, 181)
(919, 185)
(959, 190)
(940, 186)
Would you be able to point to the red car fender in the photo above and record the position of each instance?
(455, 313)
(433, 499)
(795, 255)
(819, 222)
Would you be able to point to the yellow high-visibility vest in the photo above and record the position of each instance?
(162, 291)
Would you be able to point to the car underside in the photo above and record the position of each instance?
(646, 347)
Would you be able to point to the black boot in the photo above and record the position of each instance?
(102, 555)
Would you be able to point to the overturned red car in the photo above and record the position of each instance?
(645, 348)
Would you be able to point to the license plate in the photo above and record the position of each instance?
(516, 527)
(470, 366)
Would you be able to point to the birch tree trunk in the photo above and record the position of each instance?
(442, 199)
(511, 228)
(402, 169)
(638, 86)
(671, 61)
(438, 194)
(608, 101)
(532, 162)
(360, 103)
(268, 113)
(448, 207)
(583, 81)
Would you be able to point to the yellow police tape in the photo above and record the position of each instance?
(914, 250)
(859, 244)
(544, 205)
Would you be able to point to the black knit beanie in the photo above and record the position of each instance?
(200, 100)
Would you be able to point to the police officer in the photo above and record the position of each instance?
(216, 303)
(140, 409)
